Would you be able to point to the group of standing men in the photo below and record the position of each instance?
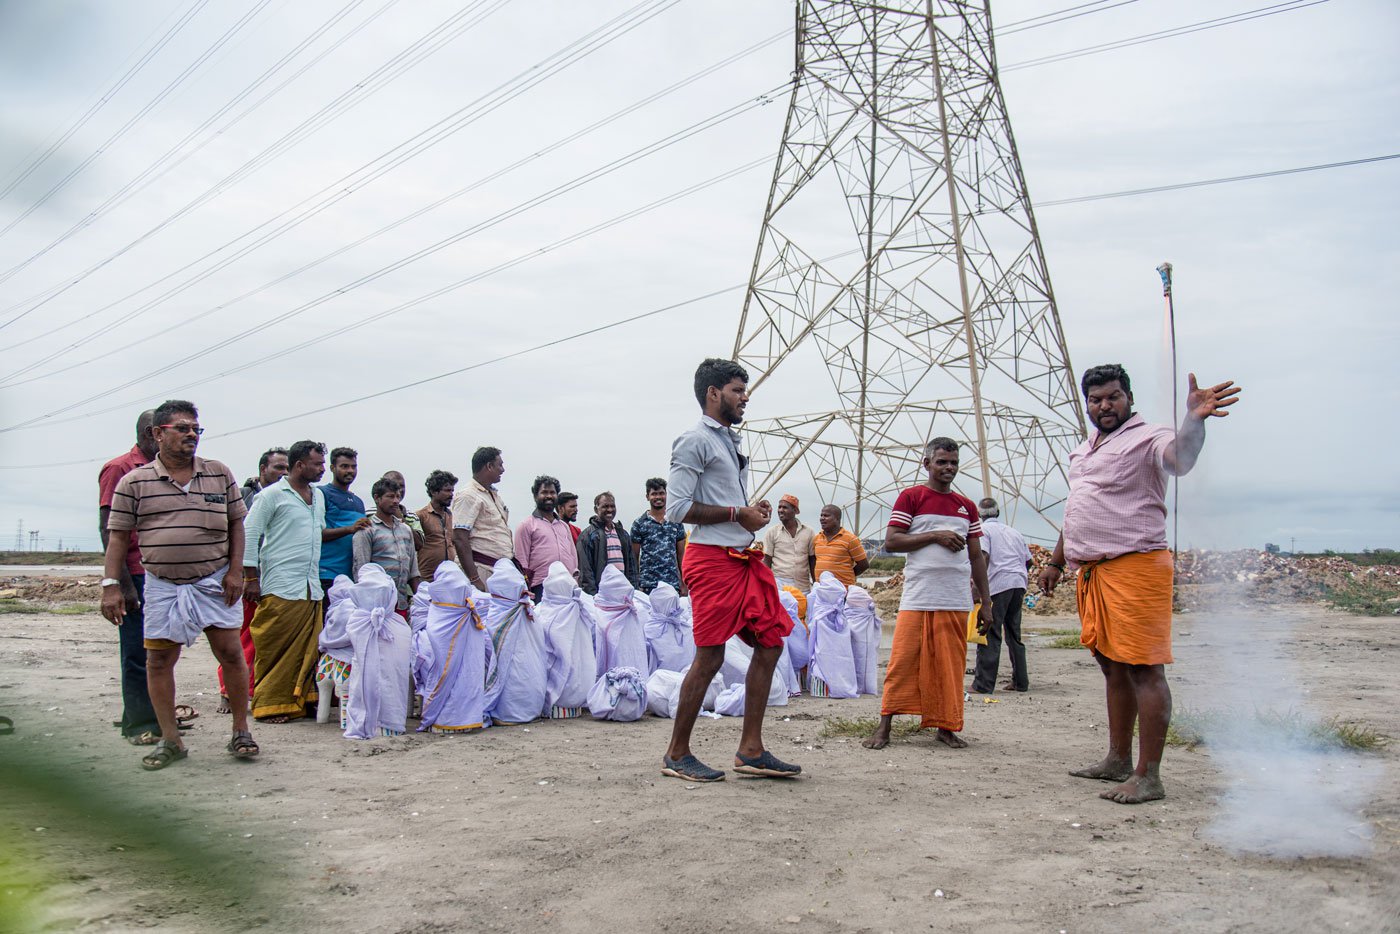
(185, 548)
(174, 523)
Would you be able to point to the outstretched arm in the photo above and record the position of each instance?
(1201, 404)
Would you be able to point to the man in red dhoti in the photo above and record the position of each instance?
(732, 592)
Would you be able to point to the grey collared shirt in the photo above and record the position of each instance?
(706, 467)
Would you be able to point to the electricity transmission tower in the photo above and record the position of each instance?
(899, 263)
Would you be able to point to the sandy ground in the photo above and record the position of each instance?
(567, 826)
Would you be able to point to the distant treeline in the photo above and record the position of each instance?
(51, 557)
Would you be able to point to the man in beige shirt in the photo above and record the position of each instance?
(789, 547)
(482, 534)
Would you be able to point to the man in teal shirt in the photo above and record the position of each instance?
(280, 571)
(345, 515)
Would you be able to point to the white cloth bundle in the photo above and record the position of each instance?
(419, 605)
(795, 642)
(735, 667)
(730, 702)
(382, 642)
(620, 694)
(620, 641)
(450, 654)
(832, 668)
(568, 635)
(335, 638)
(865, 639)
(670, 642)
(180, 612)
(515, 670)
(664, 692)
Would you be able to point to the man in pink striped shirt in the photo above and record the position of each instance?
(1115, 534)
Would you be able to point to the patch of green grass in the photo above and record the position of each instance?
(1191, 728)
(60, 609)
(1068, 641)
(862, 727)
(1362, 597)
(890, 563)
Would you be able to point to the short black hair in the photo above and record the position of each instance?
(832, 506)
(655, 483)
(382, 486)
(172, 407)
(484, 456)
(940, 444)
(439, 480)
(344, 452)
(1103, 374)
(302, 450)
(716, 372)
(267, 456)
(599, 498)
(564, 498)
(542, 481)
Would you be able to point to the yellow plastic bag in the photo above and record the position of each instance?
(972, 634)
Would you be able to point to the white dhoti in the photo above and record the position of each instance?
(180, 612)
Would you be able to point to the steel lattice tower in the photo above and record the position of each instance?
(899, 254)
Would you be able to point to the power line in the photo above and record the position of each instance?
(1059, 16)
(165, 92)
(1201, 183)
(415, 53)
(1175, 31)
(708, 295)
(462, 283)
(578, 181)
(11, 380)
(163, 165)
(570, 54)
(107, 96)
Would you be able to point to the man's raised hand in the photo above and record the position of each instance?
(1212, 401)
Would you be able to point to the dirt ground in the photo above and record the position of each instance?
(568, 826)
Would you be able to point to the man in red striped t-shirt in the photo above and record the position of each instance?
(940, 531)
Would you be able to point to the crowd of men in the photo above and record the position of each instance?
(187, 546)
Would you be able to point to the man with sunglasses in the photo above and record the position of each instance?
(189, 514)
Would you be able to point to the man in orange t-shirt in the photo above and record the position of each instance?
(838, 551)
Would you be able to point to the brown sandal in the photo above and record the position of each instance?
(242, 745)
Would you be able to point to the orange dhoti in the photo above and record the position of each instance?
(927, 660)
(1125, 607)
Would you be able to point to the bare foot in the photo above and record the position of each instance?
(1109, 770)
(877, 740)
(950, 739)
(280, 718)
(223, 705)
(1136, 790)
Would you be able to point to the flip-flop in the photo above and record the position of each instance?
(766, 765)
(690, 768)
(242, 745)
(144, 738)
(7, 726)
(164, 754)
(185, 717)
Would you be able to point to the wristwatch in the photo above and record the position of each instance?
(110, 582)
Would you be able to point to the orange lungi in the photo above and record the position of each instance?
(927, 660)
(1125, 607)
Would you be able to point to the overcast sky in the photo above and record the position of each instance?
(1286, 284)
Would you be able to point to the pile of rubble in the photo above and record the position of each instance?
(52, 589)
(1211, 577)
